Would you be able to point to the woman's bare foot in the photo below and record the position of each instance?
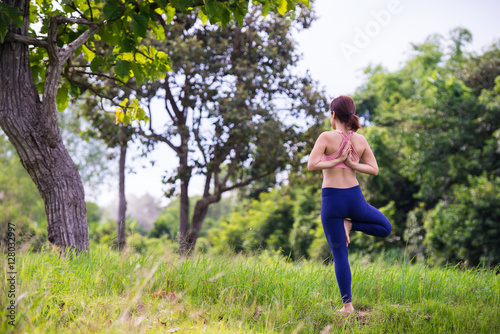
(347, 227)
(347, 309)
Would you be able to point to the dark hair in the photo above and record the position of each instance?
(345, 111)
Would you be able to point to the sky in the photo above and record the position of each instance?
(347, 37)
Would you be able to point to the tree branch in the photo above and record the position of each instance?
(72, 6)
(68, 51)
(76, 20)
(90, 9)
(105, 76)
(196, 131)
(158, 137)
(150, 116)
(88, 87)
(12, 37)
(170, 98)
(245, 183)
(208, 179)
(233, 163)
(172, 117)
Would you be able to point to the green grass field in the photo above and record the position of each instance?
(130, 293)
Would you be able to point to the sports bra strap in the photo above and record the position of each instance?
(345, 138)
(344, 135)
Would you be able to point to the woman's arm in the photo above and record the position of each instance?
(369, 165)
(315, 163)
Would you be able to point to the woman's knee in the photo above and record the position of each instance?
(388, 228)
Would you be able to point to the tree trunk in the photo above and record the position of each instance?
(200, 212)
(122, 205)
(38, 142)
(185, 176)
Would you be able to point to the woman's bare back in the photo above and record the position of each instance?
(341, 177)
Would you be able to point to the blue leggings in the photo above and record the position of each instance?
(337, 205)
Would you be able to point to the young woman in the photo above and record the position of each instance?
(337, 154)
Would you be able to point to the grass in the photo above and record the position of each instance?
(130, 293)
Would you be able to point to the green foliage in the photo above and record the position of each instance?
(306, 221)
(103, 232)
(465, 226)
(256, 225)
(168, 221)
(415, 232)
(94, 213)
(124, 25)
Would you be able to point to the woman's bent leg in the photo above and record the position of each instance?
(371, 221)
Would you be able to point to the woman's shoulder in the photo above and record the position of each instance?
(359, 140)
(328, 138)
(358, 136)
(328, 134)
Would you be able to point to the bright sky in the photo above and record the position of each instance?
(348, 36)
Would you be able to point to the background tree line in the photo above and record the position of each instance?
(434, 126)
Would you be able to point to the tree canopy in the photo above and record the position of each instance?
(68, 29)
(231, 101)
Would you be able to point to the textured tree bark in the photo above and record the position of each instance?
(185, 176)
(28, 123)
(200, 212)
(122, 205)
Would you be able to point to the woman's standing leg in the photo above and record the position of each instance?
(333, 226)
(335, 235)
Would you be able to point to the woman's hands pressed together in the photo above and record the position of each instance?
(346, 155)
(369, 165)
(346, 152)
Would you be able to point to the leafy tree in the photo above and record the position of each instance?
(67, 30)
(229, 101)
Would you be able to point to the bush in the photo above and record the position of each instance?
(465, 227)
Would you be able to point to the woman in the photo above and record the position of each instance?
(337, 154)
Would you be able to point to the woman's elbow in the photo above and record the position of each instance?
(375, 171)
(311, 166)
